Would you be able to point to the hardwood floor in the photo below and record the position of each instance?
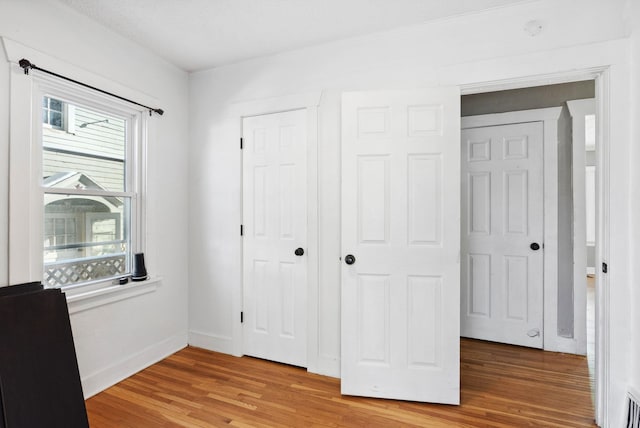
(502, 386)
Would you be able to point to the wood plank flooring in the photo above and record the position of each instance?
(502, 386)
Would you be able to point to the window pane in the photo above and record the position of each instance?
(56, 119)
(93, 157)
(590, 202)
(55, 104)
(590, 132)
(85, 238)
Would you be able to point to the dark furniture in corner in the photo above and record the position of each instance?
(39, 379)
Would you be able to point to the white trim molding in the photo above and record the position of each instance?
(603, 376)
(212, 342)
(81, 299)
(578, 110)
(274, 105)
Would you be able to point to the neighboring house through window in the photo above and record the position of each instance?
(89, 195)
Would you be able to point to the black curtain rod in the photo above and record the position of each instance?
(27, 65)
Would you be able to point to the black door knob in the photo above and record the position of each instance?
(299, 252)
(349, 259)
(534, 246)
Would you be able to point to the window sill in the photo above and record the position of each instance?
(79, 301)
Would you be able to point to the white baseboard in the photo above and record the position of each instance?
(120, 370)
(212, 342)
(326, 366)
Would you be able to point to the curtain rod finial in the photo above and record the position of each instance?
(25, 64)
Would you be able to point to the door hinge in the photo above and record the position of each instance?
(241, 143)
(241, 230)
(605, 267)
(241, 317)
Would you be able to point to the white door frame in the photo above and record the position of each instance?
(309, 102)
(578, 110)
(601, 76)
(549, 118)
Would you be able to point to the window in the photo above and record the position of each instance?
(590, 132)
(53, 112)
(89, 190)
(590, 177)
(77, 192)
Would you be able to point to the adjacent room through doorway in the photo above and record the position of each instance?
(576, 223)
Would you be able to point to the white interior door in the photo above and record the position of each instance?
(401, 224)
(275, 236)
(502, 232)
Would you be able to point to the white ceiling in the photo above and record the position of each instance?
(201, 34)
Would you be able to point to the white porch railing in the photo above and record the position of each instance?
(86, 269)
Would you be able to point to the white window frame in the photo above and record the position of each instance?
(26, 193)
(70, 94)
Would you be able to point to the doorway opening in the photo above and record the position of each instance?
(575, 323)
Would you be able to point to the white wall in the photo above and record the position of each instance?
(117, 339)
(473, 49)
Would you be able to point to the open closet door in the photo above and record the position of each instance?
(401, 242)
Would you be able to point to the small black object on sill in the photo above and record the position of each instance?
(139, 270)
(122, 280)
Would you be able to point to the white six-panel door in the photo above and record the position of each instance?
(502, 225)
(275, 226)
(400, 222)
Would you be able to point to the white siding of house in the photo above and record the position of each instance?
(105, 173)
(106, 139)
